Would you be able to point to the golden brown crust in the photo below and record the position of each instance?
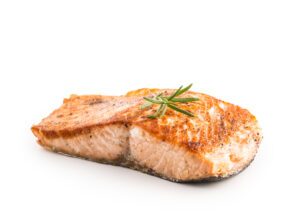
(214, 124)
(79, 114)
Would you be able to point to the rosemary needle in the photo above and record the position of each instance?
(169, 102)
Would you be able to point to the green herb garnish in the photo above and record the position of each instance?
(171, 102)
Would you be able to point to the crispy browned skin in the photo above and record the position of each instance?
(197, 144)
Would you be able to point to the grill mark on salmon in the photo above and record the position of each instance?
(221, 140)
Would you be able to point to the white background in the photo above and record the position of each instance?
(244, 52)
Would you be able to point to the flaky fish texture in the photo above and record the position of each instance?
(220, 140)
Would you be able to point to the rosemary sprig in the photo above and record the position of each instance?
(169, 102)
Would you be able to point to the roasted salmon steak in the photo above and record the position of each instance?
(219, 141)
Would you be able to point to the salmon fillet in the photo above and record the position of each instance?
(220, 140)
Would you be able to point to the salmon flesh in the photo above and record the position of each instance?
(220, 140)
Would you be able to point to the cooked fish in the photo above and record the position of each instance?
(220, 140)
